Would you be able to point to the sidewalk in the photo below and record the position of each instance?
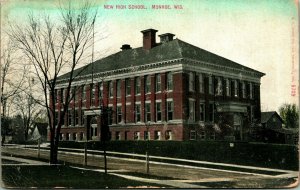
(23, 161)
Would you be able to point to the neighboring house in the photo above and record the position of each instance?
(273, 130)
(39, 132)
(170, 90)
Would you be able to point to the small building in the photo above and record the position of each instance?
(273, 130)
(39, 132)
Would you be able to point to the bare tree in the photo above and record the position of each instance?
(54, 47)
(28, 106)
(10, 85)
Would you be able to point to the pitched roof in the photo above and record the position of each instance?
(174, 49)
(266, 116)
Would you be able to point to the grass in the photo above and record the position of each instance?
(25, 176)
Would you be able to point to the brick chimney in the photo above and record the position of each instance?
(149, 40)
(166, 37)
(125, 47)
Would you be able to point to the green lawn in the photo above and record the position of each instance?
(25, 176)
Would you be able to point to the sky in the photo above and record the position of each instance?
(260, 34)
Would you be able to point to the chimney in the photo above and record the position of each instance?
(149, 38)
(125, 47)
(166, 37)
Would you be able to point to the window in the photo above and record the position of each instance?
(211, 112)
(168, 135)
(119, 114)
(128, 87)
(146, 135)
(251, 113)
(74, 138)
(62, 95)
(83, 92)
(76, 92)
(235, 87)
(212, 136)
(118, 88)
(138, 113)
(243, 90)
(81, 136)
(137, 86)
(110, 116)
(192, 135)
(201, 83)
(202, 112)
(67, 136)
(72, 93)
(157, 135)
(157, 83)
(92, 94)
(192, 110)
(219, 87)
(136, 135)
(191, 82)
(100, 91)
(147, 112)
(158, 111)
(169, 81)
(126, 135)
(118, 135)
(110, 89)
(76, 117)
(81, 118)
(56, 96)
(148, 84)
(202, 135)
(251, 90)
(56, 116)
(210, 85)
(228, 89)
(170, 110)
(70, 117)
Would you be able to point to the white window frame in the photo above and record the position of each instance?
(128, 87)
(157, 83)
(148, 84)
(137, 83)
(119, 83)
(172, 109)
(157, 135)
(156, 106)
(119, 113)
(147, 106)
(136, 135)
(170, 85)
(193, 135)
(137, 113)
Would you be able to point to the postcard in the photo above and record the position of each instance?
(149, 94)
